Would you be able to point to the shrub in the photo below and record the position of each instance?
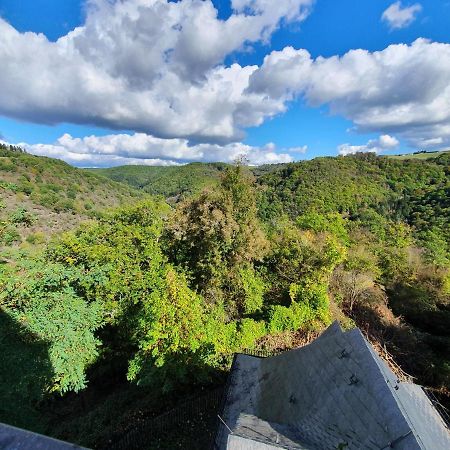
(283, 318)
(22, 216)
(26, 187)
(72, 193)
(11, 186)
(7, 166)
(252, 288)
(64, 205)
(36, 238)
(9, 235)
(48, 200)
(249, 331)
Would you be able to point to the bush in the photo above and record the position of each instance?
(36, 238)
(11, 186)
(65, 205)
(249, 331)
(283, 318)
(72, 193)
(9, 235)
(22, 216)
(26, 187)
(252, 288)
(7, 166)
(48, 200)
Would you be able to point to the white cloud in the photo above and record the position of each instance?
(157, 67)
(384, 142)
(402, 90)
(140, 148)
(398, 16)
(154, 66)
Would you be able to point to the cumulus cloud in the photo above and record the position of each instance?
(384, 142)
(402, 90)
(154, 66)
(157, 67)
(398, 16)
(140, 148)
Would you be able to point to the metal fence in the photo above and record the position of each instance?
(191, 425)
(440, 408)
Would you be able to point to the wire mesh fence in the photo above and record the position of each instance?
(191, 425)
(440, 408)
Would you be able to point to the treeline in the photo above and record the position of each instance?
(6, 148)
(172, 182)
(163, 295)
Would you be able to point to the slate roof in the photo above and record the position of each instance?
(335, 393)
(12, 438)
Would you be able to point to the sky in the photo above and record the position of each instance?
(103, 83)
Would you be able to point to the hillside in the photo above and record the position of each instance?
(411, 189)
(40, 196)
(172, 181)
(420, 155)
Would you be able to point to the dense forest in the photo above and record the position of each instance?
(142, 299)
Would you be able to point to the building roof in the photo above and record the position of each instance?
(12, 438)
(335, 393)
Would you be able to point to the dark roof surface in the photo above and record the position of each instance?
(12, 438)
(333, 393)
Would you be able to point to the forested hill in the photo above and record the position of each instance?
(39, 196)
(363, 187)
(413, 189)
(172, 181)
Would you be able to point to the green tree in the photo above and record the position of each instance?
(43, 298)
(216, 234)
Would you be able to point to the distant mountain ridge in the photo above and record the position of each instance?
(169, 181)
(413, 189)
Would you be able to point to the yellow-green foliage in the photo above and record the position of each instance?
(148, 302)
(170, 332)
(252, 288)
(249, 331)
(305, 261)
(309, 302)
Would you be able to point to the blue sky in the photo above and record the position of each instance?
(329, 29)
